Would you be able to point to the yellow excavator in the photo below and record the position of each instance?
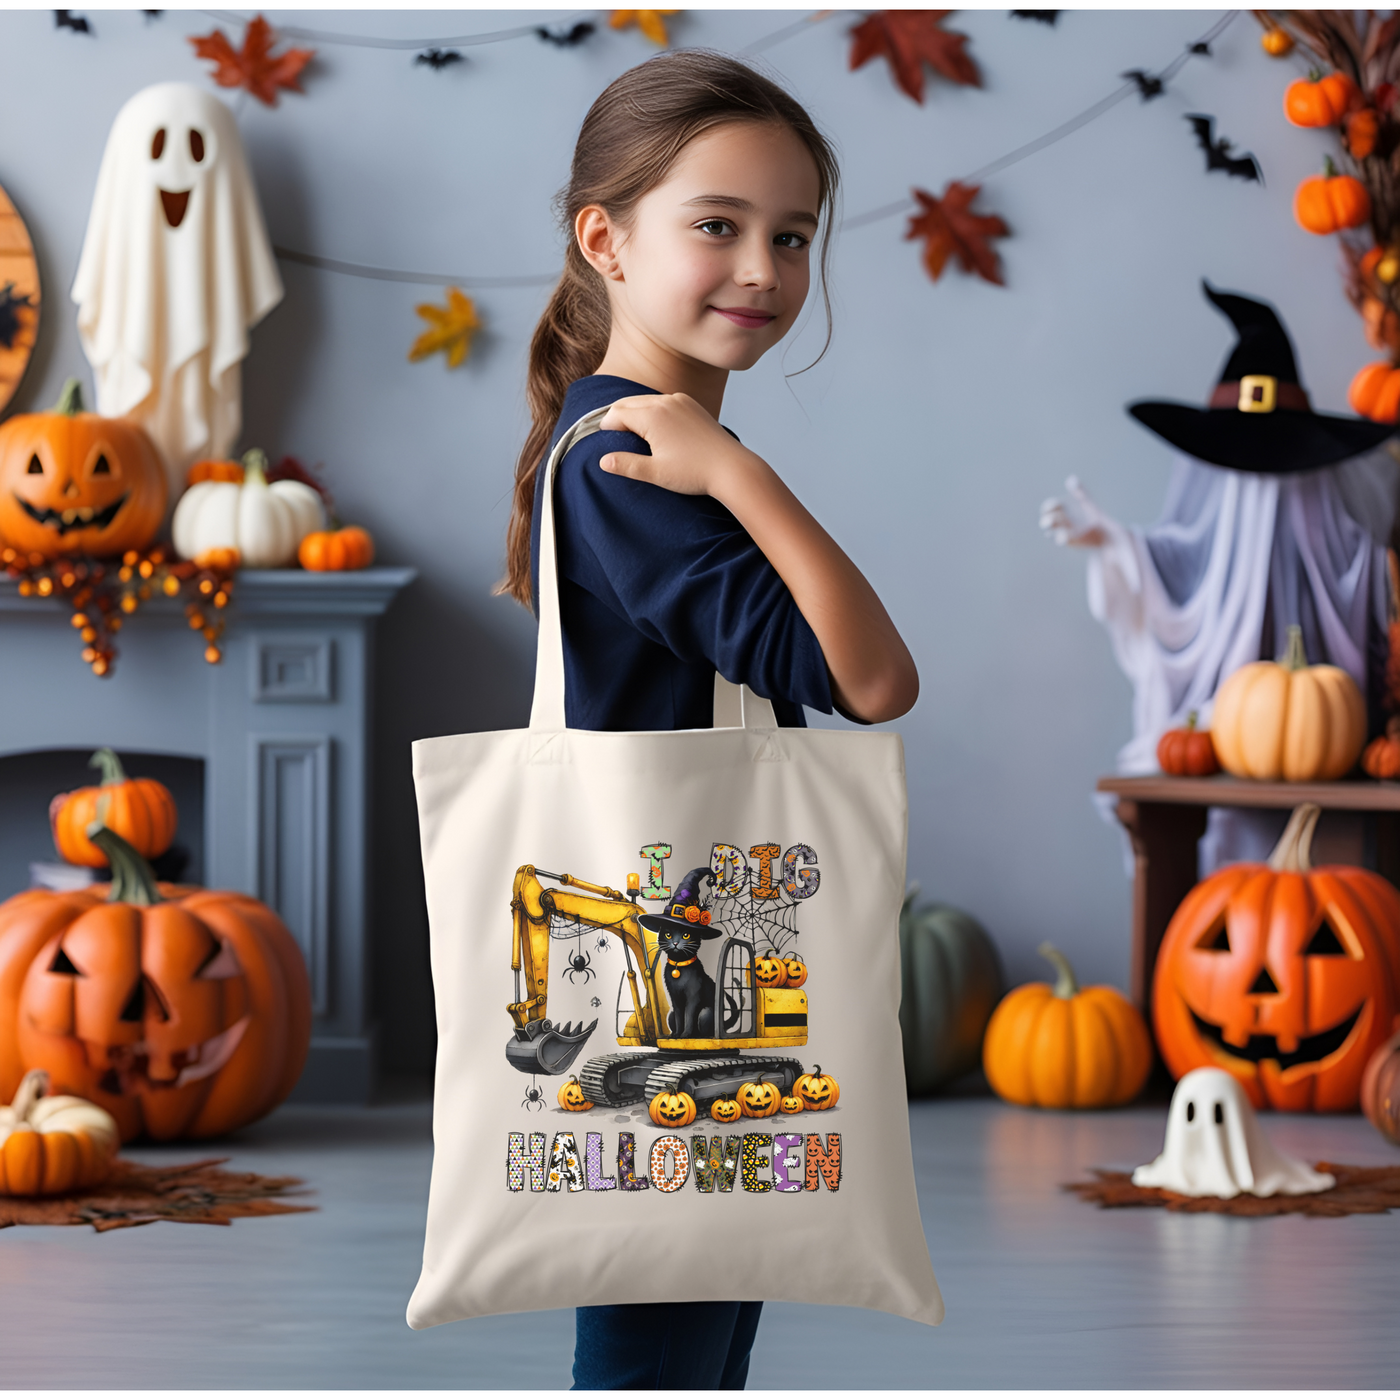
(747, 1017)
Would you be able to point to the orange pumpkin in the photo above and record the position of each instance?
(768, 971)
(572, 1098)
(1381, 326)
(1319, 101)
(1286, 976)
(333, 551)
(672, 1110)
(1360, 132)
(1330, 202)
(1275, 42)
(215, 471)
(795, 972)
(725, 1111)
(791, 1103)
(1375, 391)
(1187, 752)
(182, 1012)
(759, 1100)
(1382, 756)
(1380, 1090)
(75, 483)
(140, 810)
(53, 1145)
(817, 1091)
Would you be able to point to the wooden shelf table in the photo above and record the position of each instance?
(1165, 817)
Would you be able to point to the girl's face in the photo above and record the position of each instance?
(716, 262)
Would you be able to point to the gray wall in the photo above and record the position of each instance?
(925, 440)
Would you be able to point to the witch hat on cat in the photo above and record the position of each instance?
(688, 908)
(1259, 418)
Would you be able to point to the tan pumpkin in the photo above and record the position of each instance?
(726, 1111)
(1286, 719)
(759, 1100)
(140, 810)
(672, 1110)
(49, 1146)
(768, 971)
(796, 971)
(572, 1099)
(791, 1103)
(817, 1091)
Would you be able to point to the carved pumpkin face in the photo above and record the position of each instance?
(769, 972)
(817, 1090)
(76, 483)
(725, 1110)
(1285, 977)
(670, 1110)
(795, 971)
(183, 1018)
(759, 1100)
(792, 1103)
(571, 1097)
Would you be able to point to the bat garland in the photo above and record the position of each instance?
(438, 59)
(66, 19)
(568, 38)
(1217, 149)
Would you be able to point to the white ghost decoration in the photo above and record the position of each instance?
(1215, 1146)
(175, 268)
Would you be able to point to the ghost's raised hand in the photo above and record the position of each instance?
(1090, 531)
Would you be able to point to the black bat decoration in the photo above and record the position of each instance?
(1148, 87)
(10, 306)
(566, 38)
(1040, 16)
(66, 19)
(1218, 156)
(438, 59)
(1200, 48)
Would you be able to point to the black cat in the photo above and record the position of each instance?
(690, 988)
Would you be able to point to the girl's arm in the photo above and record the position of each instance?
(873, 676)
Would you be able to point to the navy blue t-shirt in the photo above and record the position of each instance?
(658, 591)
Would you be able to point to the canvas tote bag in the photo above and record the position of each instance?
(667, 978)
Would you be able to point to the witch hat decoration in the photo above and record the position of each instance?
(688, 908)
(1259, 418)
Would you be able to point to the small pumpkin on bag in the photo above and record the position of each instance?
(49, 1146)
(759, 1100)
(572, 1099)
(817, 1091)
(672, 1110)
(726, 1111)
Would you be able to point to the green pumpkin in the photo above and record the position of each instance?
(952, 982)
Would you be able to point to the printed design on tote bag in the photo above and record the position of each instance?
(711, 1000)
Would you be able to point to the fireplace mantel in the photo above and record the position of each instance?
(282, 727)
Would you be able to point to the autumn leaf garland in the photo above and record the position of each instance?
(909, 39)
(949, 228)
(254, 66)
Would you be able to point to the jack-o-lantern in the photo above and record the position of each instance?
(1286, 976)
(183, 1013)
(53, 1144)
(795, 971)
(76, 483)
(140, 810)
(672, 1110)
(791, 1103)
(759, 1100)
(817, 1090)
(725, 1110)
(572, 1099)
(768, 971)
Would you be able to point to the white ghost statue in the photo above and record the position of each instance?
(175, 268)
(1215, 1146)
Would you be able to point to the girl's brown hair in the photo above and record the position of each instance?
(628, 143)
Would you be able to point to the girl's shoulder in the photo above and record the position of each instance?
(591, 392)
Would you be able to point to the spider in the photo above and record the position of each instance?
(578, 962)
(595, 1002)
(534, 1097)
(602, 944)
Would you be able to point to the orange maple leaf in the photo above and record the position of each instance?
(254, 66)
(908, 39)
(949, 227)
(650, 22)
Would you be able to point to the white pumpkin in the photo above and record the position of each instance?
(265, 522)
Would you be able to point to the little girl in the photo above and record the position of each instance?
(697, 191)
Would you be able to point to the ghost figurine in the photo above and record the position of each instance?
(175, 268)
(1215, 1146)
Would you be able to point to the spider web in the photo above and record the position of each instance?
(770, 925)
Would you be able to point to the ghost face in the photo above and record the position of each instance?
(183, 148)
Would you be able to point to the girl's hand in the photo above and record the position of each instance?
(690, 453)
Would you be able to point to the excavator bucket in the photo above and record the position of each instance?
(541, 1047)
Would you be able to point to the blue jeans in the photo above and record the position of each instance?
(664, 1346)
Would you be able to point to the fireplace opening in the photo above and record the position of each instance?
(29, 781)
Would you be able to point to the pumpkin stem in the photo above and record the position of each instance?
(1065, 985)
(1294, 657)
(133, 881)
(70, 401)
(32, 1088)
(111, 766)
(1191, 718)
(1328, 169)
(255, 466)
(1294, 850)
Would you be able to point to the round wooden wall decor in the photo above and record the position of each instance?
(19, 299)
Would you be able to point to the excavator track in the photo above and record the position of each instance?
(709, 1079)
(601, 1083)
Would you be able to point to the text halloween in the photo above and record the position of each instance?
(795, 1161)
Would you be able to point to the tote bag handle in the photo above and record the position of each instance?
(736, 707)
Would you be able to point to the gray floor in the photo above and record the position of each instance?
(1042, 1291)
